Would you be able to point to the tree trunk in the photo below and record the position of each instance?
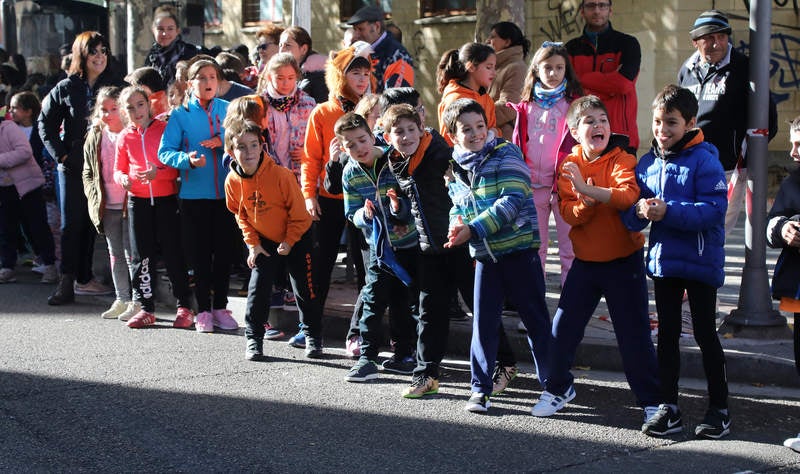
(493, 11)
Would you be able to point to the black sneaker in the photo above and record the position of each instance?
(404, 366)
(666, 421)
(313, 347)
(363, 370)
(478, 403)
(254, 351)
(715, 425)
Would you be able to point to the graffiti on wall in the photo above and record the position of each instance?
(784, 69)
(779, 4)
(563, 21)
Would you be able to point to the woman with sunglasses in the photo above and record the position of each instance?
(68, 105)
(169, 47)
(267, 46)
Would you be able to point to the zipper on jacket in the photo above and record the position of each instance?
(701, 243)
(213, 132)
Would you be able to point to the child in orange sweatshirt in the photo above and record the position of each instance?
(596, 182)
(270, 210)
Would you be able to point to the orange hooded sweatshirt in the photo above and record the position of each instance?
(598, 234)
(454, 91)
(319, 134)
(267, 204)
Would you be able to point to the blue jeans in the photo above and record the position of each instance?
(77, 231)
(622, 282)
(518, 278)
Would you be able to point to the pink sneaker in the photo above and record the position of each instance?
(224, 320)
(204, 322)
(141, 319)
(352, 348)
(184, 318)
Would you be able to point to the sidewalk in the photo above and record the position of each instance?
(753, 361)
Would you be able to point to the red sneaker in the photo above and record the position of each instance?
(184, 318)
(141, 319)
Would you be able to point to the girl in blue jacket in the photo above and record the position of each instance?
(192, 143)
(684, 199)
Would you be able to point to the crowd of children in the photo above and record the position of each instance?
(430, 212)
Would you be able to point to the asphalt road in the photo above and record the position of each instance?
(78, 393)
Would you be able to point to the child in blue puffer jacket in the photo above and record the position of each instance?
(684, 199)
(192, 143)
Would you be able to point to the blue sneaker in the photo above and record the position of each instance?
(298, 340)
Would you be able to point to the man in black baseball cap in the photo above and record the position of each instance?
(394, 67)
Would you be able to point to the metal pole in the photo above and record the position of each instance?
(755, 305)
(9, 26)
(301, 14)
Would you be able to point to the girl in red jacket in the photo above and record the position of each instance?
(152, 209)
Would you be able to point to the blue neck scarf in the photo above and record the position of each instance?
(470, 159)
(547, 98)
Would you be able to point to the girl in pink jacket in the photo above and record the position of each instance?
(542, 133)
(22, 202)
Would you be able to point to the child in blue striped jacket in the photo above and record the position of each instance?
(493, 210)
(371, 203)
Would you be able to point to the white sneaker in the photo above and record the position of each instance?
(132, 309)
(793, 443)
(117, 307)
(549, 404)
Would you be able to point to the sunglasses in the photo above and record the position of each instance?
(264, 46)
(102, 50)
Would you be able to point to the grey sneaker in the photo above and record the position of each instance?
(363, 370)
(313, 347)
(50, 274)
(254, 351)
(92, 288)
(7, 275)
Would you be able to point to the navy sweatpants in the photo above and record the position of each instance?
(518, 278)
(622, 282)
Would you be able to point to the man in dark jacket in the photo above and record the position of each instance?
(607, 64)
(718, 75)
(395, 68)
